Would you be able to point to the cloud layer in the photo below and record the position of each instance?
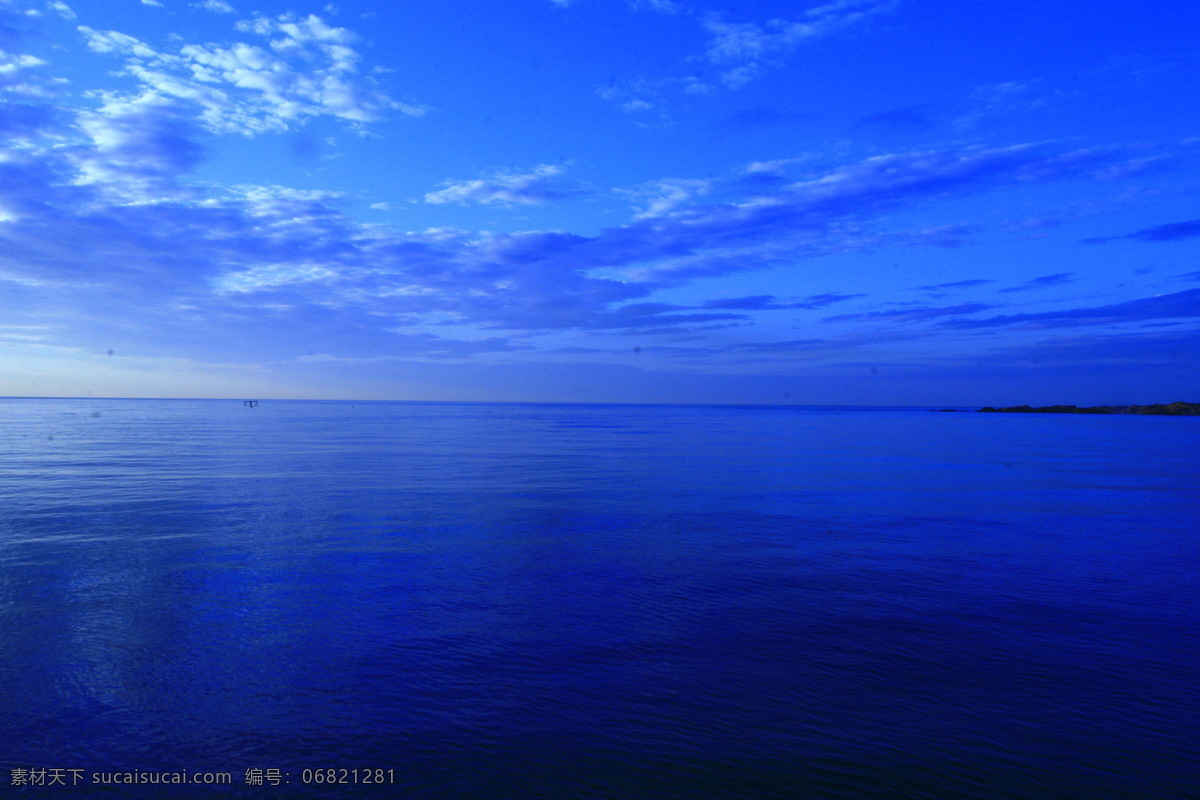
(175, 251)
(106, 236)
(736, 53)
(540, 185)
(307, 68)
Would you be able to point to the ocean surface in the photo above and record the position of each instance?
(596, 601)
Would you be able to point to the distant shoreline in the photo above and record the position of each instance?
(1179, 409)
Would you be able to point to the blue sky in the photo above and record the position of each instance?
(856, 201)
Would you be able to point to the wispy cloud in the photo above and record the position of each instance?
(760, 118)
(768, 302)
(1177, 349)
(215, 6)
(822, 300)
(743, 51)
(836, 212)
(998, 100)
(967, 284)
(540, 185)
(1170, 232)
(307, 69)
(660, 6)
(918, 117)
(190, 263)
(61, 8)
(1180, 305)
(20, 74)
(696, 350)
(736, 53)
(139, 151)
(1057, 279)
(914, 314)
(660, 197)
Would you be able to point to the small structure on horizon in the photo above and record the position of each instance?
(250, 403)
(1176, 409)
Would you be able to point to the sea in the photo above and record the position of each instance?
(489, 600)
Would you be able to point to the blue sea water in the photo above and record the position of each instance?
(573, 601)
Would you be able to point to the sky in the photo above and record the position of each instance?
(865, 202)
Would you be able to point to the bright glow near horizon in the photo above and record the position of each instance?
(853, 201)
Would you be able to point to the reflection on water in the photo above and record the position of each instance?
(602, 601)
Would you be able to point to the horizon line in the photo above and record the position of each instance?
(478, 402)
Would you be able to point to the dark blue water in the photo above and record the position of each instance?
(553, 601)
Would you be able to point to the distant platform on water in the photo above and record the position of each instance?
(1169, 409)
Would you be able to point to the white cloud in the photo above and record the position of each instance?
(255, 269)
(139, 150)
(152, 3)
(19, 75)
(61, 8)
(738, 52)
(271, 276)
(8, 8)
(987, 103)
(215, 6)
(284, 201)
(749, 48)
(661, 197)
(508, 188)
(661, 6)
(115, 42)
(295, 31)
(642, 97)
(308, 69)
(777, 167)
